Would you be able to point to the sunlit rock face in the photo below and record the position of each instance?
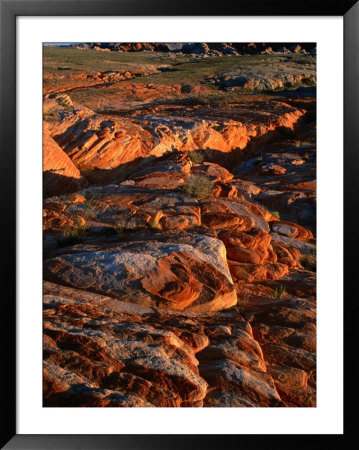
(60, 175)
(179, 225)
(183, 272)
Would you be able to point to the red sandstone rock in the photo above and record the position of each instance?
(213, 171)
(291, 230)
(60, 175)
(217, 312)
(100, 352)
(98, 151)
(184, 273)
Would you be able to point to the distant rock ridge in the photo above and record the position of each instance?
(202, 48)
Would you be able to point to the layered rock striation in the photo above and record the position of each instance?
(179, 234)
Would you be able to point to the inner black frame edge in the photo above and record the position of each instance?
(9, 10)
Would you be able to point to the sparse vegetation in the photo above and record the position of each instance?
(180, 69)
(279, 291)
(126, 224)
(309, 261)
(198, 186)
(196, 156)
(275, 214)
(92, 196)
(71, 234)
(84, 209)
(87, 211)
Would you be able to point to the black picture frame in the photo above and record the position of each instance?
(9, 10)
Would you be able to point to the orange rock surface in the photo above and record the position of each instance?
(60, 175)
(179, 225)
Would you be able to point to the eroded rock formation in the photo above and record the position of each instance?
(60, 175)
(179, 238)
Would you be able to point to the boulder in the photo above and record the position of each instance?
(179, 272)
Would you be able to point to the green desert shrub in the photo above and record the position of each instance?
(198, 186)
(279, 291)
(275, 214)
(71, 234)
(93, 196)
(85, 209)
(126, 224)
(196, 156)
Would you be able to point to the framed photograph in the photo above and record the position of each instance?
(173, 181)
